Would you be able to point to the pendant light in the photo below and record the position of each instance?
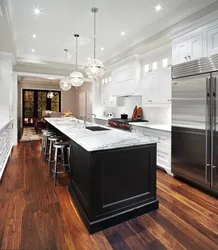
(50, 94)
(94, 68)
(76, 78)
(65, 85)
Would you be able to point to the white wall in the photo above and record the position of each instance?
(84, 96)
(8, 92)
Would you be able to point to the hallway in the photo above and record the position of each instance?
(35, 215)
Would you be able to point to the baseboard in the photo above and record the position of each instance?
(98, 225)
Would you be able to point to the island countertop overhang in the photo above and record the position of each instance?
(97, 140)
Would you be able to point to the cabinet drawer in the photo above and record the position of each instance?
(163, 153)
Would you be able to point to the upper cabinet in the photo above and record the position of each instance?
(188, 49)
(196, 44)
(212, 41)
(126, 78)
(156, 83)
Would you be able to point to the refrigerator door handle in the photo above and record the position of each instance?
(213, 129)
(206, 130)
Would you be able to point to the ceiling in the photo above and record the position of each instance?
(59, 20)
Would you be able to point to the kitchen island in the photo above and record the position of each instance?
(112, 173)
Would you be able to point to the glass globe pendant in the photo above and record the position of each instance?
(65, 85)
(50, 94)
(76, 78)
(94, 68)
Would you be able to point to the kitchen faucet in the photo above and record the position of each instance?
(85, 117)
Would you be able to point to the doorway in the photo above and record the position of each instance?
(36, 101)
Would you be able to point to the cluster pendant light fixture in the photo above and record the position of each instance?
(50, 94)
(94, 68)
(65, 85)
(76, 78)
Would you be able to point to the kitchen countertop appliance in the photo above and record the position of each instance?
(194, 122)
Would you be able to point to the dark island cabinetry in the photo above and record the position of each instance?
(114, 185)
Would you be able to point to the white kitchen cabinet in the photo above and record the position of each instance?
(163, 139)
(212, 41)
(150, 88)
(156, 87)
(165, 85)
(181, 52)
(189, 49)
(198, 43)
(195, 47)
(108, 99)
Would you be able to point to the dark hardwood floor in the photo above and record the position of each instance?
(35, 215)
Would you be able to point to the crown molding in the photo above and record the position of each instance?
(156, 36)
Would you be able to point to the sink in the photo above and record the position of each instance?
(96, 128)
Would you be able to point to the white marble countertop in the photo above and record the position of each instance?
(4, 123)
(164, 127)
(97, 140)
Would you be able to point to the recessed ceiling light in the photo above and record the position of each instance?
(102, 49)
(51, 78)
(34, 35)
(123, 33)
(37, 11)
(33, 50)
(89, 58)
(158, 7)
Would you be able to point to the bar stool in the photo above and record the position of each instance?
(46, 135)
(52, 139)
(64, 147)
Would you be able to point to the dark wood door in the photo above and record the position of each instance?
(36, 101)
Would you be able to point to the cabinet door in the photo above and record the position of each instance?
(195, 47)
(212, 41)
(105, 94)
(151, 88)
(165, 83)
(182, 51)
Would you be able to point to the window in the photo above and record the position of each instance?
(147, 68)
(55, 102)
(110, 79)
(105, 80)
(102, 82)
(164, 62)
(154, 65)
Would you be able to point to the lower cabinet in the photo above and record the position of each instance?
(114, 185)
(5, 145)
(163, 145)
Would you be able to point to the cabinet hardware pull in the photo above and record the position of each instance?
(186, 58)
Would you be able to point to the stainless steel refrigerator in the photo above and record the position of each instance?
(195, 122)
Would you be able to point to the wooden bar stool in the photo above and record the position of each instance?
(63, 147)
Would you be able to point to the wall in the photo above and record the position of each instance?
(84, 99)
(79, 100)
(68, 98)
(8, 92)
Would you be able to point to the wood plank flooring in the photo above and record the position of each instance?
(35, 215)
